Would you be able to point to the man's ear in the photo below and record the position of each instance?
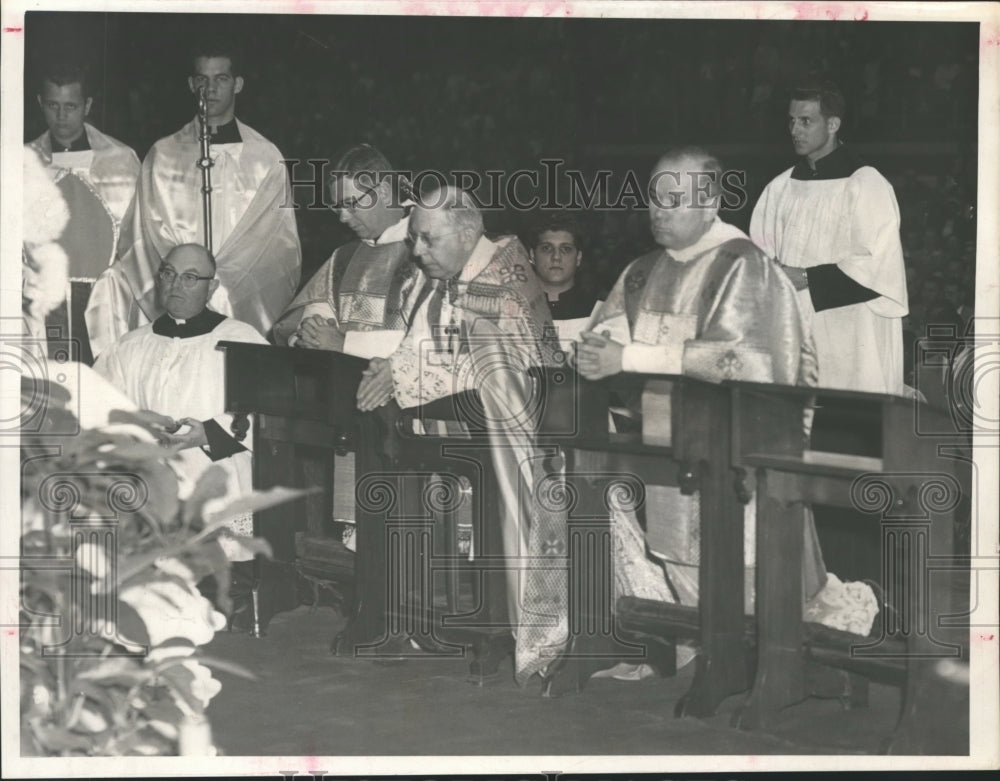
(191, 85)
(213, 285)
(239, 85)
(469, 238)
(384, 188)
(86, 107)
(833, 125)
(531, 256)
(579, 258)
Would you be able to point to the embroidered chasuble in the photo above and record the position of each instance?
(364, 286)
(254, 235)
(174, 368)
(483, 331)
(841, 221)
(96, 178)
(717, 310)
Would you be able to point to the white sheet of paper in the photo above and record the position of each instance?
(617, 328)
(372, 344)
(569, 330)
(73, 160)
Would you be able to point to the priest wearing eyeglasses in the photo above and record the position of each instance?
(477, 327)
(171, 368)
(356, 303)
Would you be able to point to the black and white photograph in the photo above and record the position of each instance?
(511, 388)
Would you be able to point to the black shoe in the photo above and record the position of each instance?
(584, 656)
(489, 651)
(240, 618)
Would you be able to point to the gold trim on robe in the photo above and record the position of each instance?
(113, 171)
(253, 222)
(98, 186)
(366, 287)
(718, 310)
(500, 327)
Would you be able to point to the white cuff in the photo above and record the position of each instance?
(651, 359)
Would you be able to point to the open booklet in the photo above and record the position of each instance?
(569, 330)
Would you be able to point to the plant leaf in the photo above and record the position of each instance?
(59, 739)
(118, 670)
(211, 485)
(226, 666)
(256, 501)
(253, 545)
(131, 626)
(180, 679)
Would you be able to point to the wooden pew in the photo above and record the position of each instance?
(303, 407)
(695, 459)
(303, 403)
(416, 571)
(914, 490)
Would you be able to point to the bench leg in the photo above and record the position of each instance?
(780, 679)
(723, 665)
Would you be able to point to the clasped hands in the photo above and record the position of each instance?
(166, 430)
(375, 388)
(318, 333)
(597, 355)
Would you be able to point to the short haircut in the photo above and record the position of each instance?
(371, 165)
(710, 165)
(827, 94)
(217, 47)
(561, 220)
(65, 72)
(459, 205)
(207, 252)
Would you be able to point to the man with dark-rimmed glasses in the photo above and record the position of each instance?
(172, 370)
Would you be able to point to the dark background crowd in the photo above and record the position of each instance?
(447, 94)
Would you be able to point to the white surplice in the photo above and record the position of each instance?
(853, 222)
(186, 377)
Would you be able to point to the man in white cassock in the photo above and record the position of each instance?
(172, 367)
(254, 237)
(96, 176)
(833, 223)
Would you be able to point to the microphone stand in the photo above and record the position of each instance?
(205, 164)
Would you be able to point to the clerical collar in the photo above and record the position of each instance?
(839, 164)
(202, 323)
(227, 133)
(395, 232)
(81, 144)
(718, 233)
(480, 258)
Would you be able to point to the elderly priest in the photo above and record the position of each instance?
(172, 367)
(478, 325)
